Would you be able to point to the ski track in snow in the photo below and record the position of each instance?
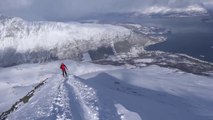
(61, 106)
(65, 99)
(86, 97)
(55, 104)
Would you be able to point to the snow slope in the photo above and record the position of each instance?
(23, 41)
(98, 92)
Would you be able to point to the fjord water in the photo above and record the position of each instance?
(191, 36)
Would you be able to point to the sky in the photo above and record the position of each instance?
(65, 9)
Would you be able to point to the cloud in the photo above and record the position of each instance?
(65, 9)
(14, 4)
(191, 9)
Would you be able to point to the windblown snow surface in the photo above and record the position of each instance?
(104, 92)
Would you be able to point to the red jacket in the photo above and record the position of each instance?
(63, 67)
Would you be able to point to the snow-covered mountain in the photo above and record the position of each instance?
(19, 34)
(23, 41)
(191, 10)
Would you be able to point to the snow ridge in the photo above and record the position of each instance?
(53, 105)
(107, 93)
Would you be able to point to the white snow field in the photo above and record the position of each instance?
(104, 92)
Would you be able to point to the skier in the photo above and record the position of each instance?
(64, 68)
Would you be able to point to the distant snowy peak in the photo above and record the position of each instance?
(191, 10)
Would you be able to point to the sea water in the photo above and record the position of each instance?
(190, 35)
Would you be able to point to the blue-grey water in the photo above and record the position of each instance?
(189, 35)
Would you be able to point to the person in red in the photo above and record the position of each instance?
(64, 68)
